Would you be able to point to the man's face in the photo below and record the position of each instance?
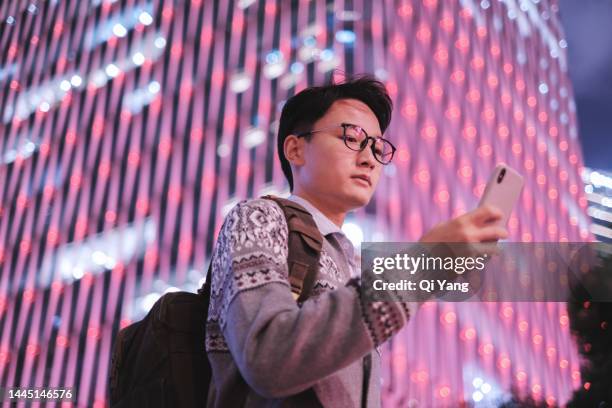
(330, 169)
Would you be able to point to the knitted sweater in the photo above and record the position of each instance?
(268, 351)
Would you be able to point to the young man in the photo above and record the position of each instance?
(267, 350)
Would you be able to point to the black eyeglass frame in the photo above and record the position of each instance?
(362, 145)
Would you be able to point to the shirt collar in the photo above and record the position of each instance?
(325, 225)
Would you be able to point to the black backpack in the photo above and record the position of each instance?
(161, 360)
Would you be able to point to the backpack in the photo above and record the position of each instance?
(161, 360)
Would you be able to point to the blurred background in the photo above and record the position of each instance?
(587, 28)
(129, 128)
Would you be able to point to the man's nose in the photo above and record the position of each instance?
(366, 156)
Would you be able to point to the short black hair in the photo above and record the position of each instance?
(303, 109)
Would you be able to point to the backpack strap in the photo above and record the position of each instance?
(205, 289)
(305, 243)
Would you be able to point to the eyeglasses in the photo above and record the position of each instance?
(355, 138)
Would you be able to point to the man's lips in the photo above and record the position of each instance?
(364, 178)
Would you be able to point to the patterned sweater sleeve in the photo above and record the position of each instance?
(279, 347)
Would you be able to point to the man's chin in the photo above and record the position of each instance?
(358, 199)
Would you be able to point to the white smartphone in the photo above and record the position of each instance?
(503, 190)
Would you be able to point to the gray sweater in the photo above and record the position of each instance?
(268, 351)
